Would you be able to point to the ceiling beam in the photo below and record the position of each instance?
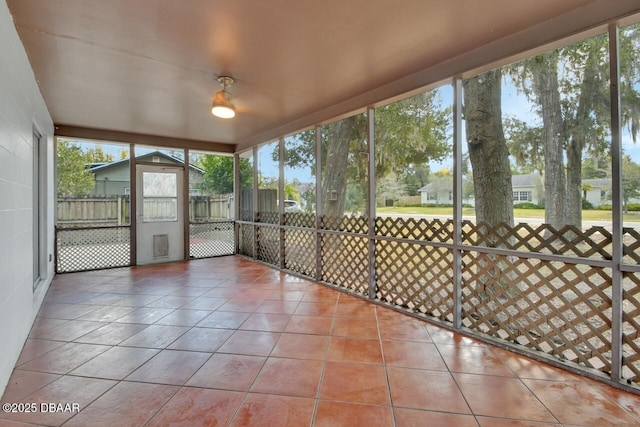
(68, 131)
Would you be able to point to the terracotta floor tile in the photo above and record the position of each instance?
(71, 330)
(228, 372)
(316, 309)
(139, 301)
(473, 360)
(251, 343)
(224, 320)
(111, 334)
(524, 367)
(190, 291)
(341, 414)
(289, 377)
(430, 390)
(277, 307)
(155, 336)
(359, 350)
(126, 404)
(314, 325)
(107, 314)
(414, 418)
(201, 339)
(64, 359)
(444, 336)
(267, 322)
(34, 347)
(170, 367)
(411, 354)
(355, 382)
(115, 363)
(184, 317)
(361, 310)
(145, 315)
(42, 325)
(589, 405)
(405, 328)
(22, 383)
(501, 397)
(287, 294)
(316, 293)
(223, 294)
(65, 311)
(67, 389)
(627, 401)
(346, 327)
(264, 410)
(171, 301)
(241, 304)
(300, 346)
(508, 422)
(191, 407)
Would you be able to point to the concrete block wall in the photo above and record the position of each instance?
(22, 109)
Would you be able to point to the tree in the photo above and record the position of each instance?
(488, 150)
(413, 131)
(630, 181)
(96, 155)
(218, 174)
(73, 179)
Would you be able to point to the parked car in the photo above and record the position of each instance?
(292, 206)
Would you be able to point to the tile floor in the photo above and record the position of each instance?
(227, 341)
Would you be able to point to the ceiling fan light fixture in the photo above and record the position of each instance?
(222, 106)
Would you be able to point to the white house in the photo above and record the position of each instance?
(527, 188)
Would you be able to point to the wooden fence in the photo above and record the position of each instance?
(116, 210)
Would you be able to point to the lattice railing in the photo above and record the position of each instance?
(269, 217)
(300, 219)
(345, 261)
(432, 230)
(209, 239)
(245, 243)
(79, 249)
(631, 327)
(596, 242)
(300, 251)
(245, 215)
(631, 245)
(269, 245)
(347, 224)
(558, 308)
(416, 277)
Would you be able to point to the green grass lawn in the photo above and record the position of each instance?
(587, 215)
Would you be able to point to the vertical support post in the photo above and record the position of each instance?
(318, 147)
(372, 202)
(236, 201)
(616, 184)
(185, 206)
(133, 204)
(281, 202)
(457, 203)
(254, 202)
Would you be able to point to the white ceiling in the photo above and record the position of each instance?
(150, 66)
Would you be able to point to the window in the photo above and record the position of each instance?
(432, 196)
(39, 194)
(160, 196)
(522, 196)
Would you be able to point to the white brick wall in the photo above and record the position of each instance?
(21, 108)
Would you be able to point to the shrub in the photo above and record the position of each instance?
(587, 204)
(633, 207)
(527, 205)
(604, 207)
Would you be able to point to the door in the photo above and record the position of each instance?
(160, 216)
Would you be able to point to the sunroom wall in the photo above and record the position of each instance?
(22, 109)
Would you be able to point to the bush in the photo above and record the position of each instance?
(604, 207)
(527, 205)
(587, 204)
(633, 207)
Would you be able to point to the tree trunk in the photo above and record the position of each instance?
(578, 141)
(488, 150)
(334, 185)
(545, 86)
